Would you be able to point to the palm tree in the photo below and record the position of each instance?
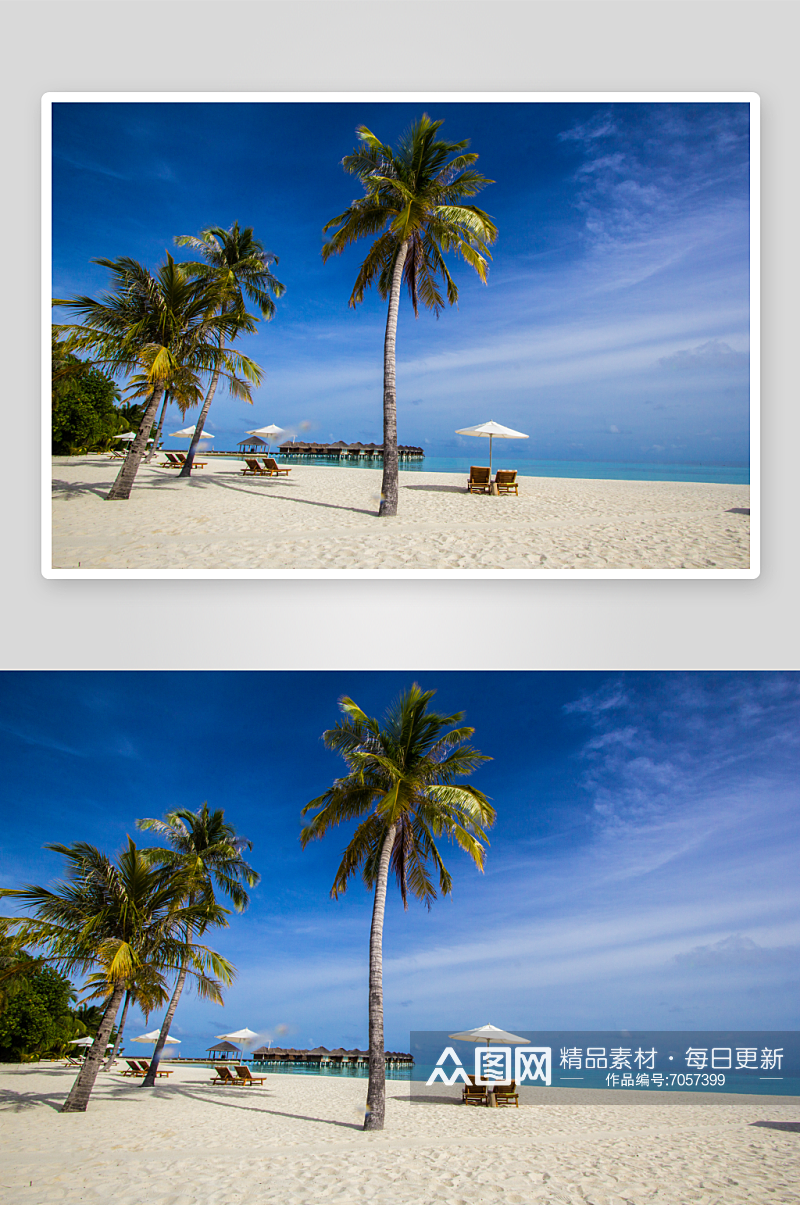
(204, 852)
(401, 778)
(147, 990)
(414, 202)
(161, 325)
(235, 266)
(121, 917)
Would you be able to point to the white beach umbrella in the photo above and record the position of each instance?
(87, 1041)
(488, 1034)
(127, 435)
(266, 433)
(493, 431)
(245, 1036)
(241, 1035)
(153, 1037)
(188, 433)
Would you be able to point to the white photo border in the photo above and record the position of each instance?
(750, 98)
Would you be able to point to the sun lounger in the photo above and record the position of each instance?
(245, 1076)
(172, 462)
(480, 480)
(145, 1066)
(196, 464)
(505, 481)
(474, 1094)
(273, 468)
(223, 1076)
(506, 1094)
(133, 1068)
(254, 468)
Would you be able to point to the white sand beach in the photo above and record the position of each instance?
(298, 1140)
(322, 518)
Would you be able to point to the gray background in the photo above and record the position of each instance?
(564, 46)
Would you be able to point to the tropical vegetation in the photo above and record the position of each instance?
(160, 327)
(203, 851)
(85, 417)
(401, 786)
(234, 268)
(124, 920)
(414, 202)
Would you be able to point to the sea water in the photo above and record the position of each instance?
(402, 1073)
(597, 470)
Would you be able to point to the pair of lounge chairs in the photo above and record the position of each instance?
(176, 460)
(242, 1078)
(478, 1094)
(271, 468)
(480, 481)
(141, 1067)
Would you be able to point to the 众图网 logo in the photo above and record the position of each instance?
(494, 1065)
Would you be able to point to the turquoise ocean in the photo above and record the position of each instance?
(598, 470)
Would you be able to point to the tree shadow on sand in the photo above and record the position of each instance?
(791, 1127)
(436, 489)
(223, 1097)
(243, 489)
(739, 510)
(64, 490)
(21, 1102)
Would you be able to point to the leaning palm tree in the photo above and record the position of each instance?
(414, 202)
(161, 325)
(401, 779)
(121, 918)
(147, 989)
(204, 851)
(235, 266)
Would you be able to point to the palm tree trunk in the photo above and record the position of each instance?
(121, 489)
(157, 436)
(186, 471)
(81, 1090)
(376, 1092)
(150, 1079)
(388, 505)
(120, 1031)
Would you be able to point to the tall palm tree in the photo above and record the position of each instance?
(161, 325)
(401, 779)
(414, 202)
(235, 266)
(204, 851)
(122, 918)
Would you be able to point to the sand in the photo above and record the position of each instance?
(325, 518)
(298, 1140)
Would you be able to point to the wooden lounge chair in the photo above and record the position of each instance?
(254, 468)
(196, 464)
(474, 1094)
(223, 1076)
(172, 462)
(145, 1066)
(273, 468)
(133, 1068)
(479, 480)
(245, 1076)
(506, 1094)
(506, 480)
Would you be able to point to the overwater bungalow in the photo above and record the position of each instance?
(344, 451)
(223, 1050)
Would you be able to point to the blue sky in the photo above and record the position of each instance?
(615, 324)
(641, 874)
